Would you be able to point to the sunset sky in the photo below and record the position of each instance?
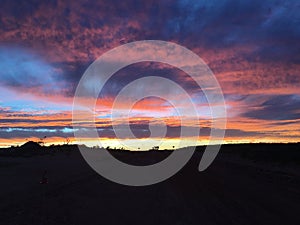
(252, 47)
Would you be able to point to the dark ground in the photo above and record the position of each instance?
(246, 184)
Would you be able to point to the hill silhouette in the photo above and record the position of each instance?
(266, 152)
(30, 145)
(246, 184)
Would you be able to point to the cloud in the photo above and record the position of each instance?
(21, 69)
(251, 46)
(280, 107)
(255, 41)
(139, 131)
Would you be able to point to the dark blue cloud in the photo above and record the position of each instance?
(21, 68)
(264, 25)
(143, 69)
(280, 107)
(139, 130)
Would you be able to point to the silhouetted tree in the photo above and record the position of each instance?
(67, 140)
(41, 142)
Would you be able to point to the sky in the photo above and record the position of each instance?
(252, 47)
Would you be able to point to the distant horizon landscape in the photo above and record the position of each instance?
(42, 144)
